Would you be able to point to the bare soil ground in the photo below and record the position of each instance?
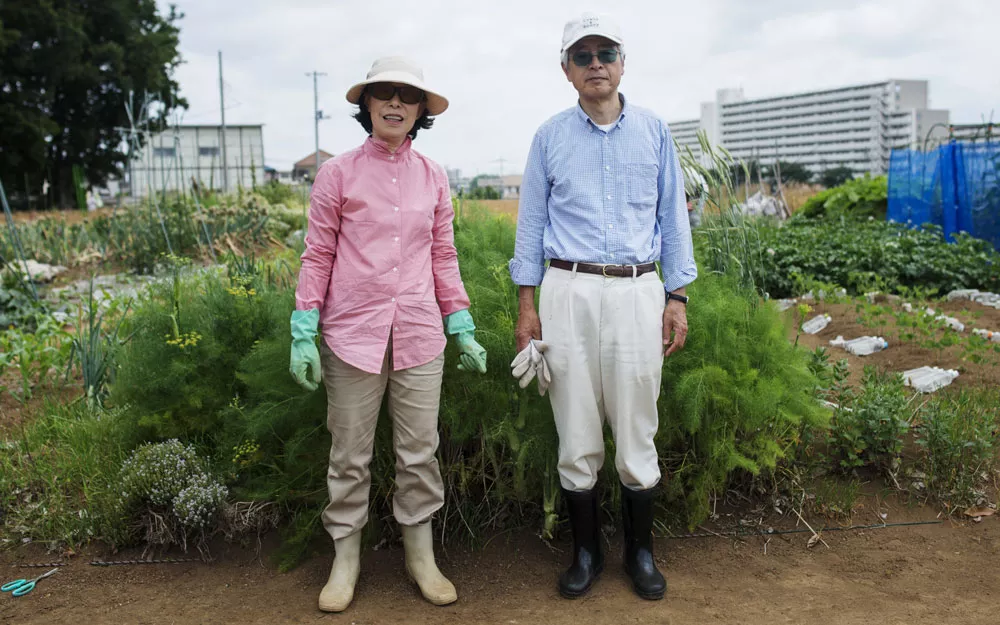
(903, 355)
(920, 574)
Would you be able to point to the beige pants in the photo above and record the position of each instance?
(354, 401)
(605, 338)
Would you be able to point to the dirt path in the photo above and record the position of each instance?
(925, 574)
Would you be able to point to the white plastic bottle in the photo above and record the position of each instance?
(929, 379)
(989, 335)
(816, 324)
(861, 346)
(866, 345)
(952, 323)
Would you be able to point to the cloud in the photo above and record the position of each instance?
(498, 62)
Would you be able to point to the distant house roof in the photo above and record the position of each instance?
(310, 161)
(512, 181)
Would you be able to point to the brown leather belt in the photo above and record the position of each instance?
(608, 271)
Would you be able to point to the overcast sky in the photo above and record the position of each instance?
(498, 62)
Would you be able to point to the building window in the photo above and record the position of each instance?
(210, 151)
(164, 152)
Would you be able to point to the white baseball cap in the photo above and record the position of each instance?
(590, 24)
(399, 69)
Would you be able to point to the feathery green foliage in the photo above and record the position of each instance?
(735, 397)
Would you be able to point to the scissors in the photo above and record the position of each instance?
(21, 587)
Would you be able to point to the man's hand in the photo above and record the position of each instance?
(529, 326)
(675, 326)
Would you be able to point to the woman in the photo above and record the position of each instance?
(380, 270)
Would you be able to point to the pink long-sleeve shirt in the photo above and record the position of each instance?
(380, 256)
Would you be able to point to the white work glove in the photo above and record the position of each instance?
(530, 364)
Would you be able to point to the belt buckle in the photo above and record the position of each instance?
(604, 271)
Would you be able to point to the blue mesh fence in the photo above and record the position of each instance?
(956, 186)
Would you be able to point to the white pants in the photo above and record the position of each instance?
(605, 338)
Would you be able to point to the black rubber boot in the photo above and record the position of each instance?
(637, 516)
(588, 559)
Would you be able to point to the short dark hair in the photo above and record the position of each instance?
(364, 117)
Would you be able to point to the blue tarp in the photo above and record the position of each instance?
(956, 186)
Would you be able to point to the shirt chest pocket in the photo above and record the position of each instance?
(641, 183)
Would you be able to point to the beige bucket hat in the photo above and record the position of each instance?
(399, 69)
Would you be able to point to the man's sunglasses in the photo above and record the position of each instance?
(582, 58)
(385, 91)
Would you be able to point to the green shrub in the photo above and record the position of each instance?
(18, 306)
(868, 431)
(857, 198)
(959, 438)
(737, 396)
(860, 255)
(140, 236)
(177, 374)
(277, 193)
(208, 364)
(59, 477)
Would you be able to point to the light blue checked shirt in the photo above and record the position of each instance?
(612, 198)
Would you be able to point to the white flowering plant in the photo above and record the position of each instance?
(171, 477)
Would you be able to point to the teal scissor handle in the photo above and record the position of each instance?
(21, 587)
(14, 585)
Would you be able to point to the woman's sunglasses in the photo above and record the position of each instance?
(385, 91)
(582, 58)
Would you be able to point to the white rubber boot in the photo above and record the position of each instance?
(339, 589)
(418, 542)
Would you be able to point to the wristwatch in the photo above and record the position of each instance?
(680, 298)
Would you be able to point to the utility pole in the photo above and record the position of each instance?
(317, 114)
(501, 160)
(222, 107)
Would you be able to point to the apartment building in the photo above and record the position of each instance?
(856, 126)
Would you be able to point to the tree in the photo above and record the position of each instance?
(483, 193)
(836, 176)
(739, 171)
(790, 172)
(66, 71)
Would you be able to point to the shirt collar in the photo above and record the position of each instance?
(583, 117)
(380, 150)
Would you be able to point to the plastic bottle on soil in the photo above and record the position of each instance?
(866, 345)
(989, 335)
(929, 379)
(816, 324)
(862, 346)
(952, 323)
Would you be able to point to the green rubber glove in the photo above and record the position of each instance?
(305, 325)
(472, 356)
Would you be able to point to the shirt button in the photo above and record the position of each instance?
(396, 239)
(395, 268)
(394, 180)
(607, 168)
(392, 157)
(609, 197)
(395, 209)
(394, 299)
(611, 226)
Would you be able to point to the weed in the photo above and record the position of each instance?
(959, 437)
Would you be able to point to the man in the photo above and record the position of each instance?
(603, 198)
